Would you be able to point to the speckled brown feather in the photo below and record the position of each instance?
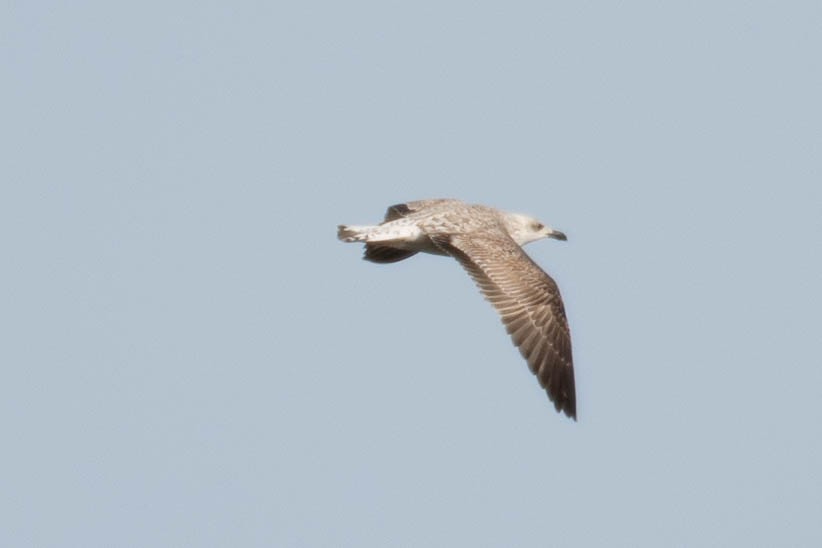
(529, 303)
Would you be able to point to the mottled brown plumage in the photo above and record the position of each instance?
(487, 243)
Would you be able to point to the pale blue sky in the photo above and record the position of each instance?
(190, 358)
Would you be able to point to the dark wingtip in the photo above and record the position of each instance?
(566, 406)
(564, 397)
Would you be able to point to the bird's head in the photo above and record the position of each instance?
(524, 229)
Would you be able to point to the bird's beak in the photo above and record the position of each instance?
(556, 234)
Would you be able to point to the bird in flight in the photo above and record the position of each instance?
(488, 244)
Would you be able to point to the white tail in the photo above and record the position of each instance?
(353, 233)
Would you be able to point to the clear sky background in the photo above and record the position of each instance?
(190, 358)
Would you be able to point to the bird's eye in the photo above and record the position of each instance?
(538, 226)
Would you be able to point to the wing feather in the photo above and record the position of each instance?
(529, 303)
(398, 211)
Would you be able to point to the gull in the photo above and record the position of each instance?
(488, 244)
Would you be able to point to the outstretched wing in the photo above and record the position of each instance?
(529, 303)
(398, 211)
